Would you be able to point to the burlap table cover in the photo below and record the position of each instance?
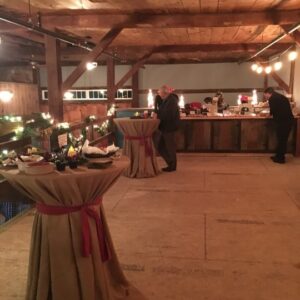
(57, 269)
(142, 163)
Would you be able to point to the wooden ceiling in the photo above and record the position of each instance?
(176, 31)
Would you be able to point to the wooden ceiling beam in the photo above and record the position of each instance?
(69, 51)
(91, 56)
(217, 47)
(295, 35)
(97, 20)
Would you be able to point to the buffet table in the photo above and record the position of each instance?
(138, 146)
(72, 254)
(231, 134)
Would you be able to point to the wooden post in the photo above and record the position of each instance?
(292, 77)
(110, 82)
(54, 78)
(135, 90)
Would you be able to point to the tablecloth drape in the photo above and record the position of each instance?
(57, 268)
(138, 146)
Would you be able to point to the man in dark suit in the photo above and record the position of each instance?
(168, 114)
(281, 111)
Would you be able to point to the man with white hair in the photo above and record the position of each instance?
(168, 114)
(281, 111)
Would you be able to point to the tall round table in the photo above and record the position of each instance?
(72, 254)
(138, 146)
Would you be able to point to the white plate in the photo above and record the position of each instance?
(39, 170)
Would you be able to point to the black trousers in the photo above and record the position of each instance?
(283, 129)
(167, 148)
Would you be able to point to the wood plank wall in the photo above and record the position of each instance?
(25, 100)
(77, 112)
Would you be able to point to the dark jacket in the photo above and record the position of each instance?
(168, 114)
(157, 102)
(280, 108)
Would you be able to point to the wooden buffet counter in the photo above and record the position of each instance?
(232, 134)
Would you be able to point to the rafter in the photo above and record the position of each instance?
(96, 20)
(93, 55)
(295, 35)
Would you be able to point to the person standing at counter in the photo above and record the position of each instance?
(168, 114)
(281, 111)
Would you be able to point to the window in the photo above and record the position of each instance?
(91, 95)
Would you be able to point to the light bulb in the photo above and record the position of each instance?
(268, 69)
(254, 97)
(259, 70)
(91, 65)
(150, 99)
(254, 67)
(239, 101)
(277, 65)
(181, 101)
(68, 95)
(6, 96)
(293, 55)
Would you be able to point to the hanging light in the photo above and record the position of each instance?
(150, 99)
(91, 65)
(254, 67)
(293, 55)
(6, 96)
(259, 70)
(268, 69)
(181, 101)
(68, 95)
(277, 65)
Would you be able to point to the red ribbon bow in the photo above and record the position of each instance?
(86, 212)
(144, 141)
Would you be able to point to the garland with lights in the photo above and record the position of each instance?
(258, 68)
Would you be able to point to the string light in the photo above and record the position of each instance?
(63, 125)
(254, 67)
(268, 69)
(259, 70)
(293, 55)
(277, 65)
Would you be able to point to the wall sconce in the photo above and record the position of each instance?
(6, 96)
(91, 65)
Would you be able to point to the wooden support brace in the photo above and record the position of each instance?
(93, 55)
(133, 70)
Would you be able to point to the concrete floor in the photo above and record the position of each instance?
(223, 227)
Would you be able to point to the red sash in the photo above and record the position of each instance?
(144, 141)
(86, 212)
